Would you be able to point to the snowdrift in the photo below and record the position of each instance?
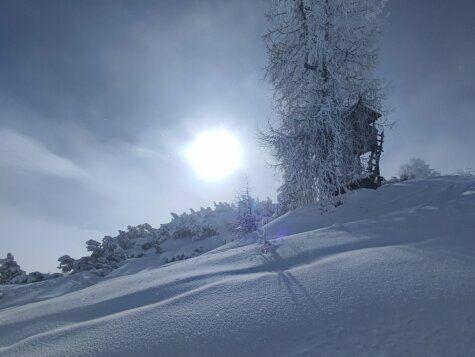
(391, 272)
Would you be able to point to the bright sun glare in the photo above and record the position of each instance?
(214, 154)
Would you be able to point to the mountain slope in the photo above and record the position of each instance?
(391, 272)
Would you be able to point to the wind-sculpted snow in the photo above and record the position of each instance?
(390, 272)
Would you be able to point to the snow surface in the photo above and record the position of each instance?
(389, 273)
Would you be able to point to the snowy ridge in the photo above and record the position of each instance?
(391, 272)
(212, 227)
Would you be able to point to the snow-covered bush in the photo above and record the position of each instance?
(94, 247)
(66, 263)
(195, 225)
(11, 273)
(415, 169)
(36, 276)
(183, 256)
(111, 249)
(106, 255)
(82, 264)
(204, 232)
(141, 240)
(182, 232)
(19, 279)
(465, 172)
(137, 241)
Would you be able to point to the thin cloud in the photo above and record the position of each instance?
(22, 152)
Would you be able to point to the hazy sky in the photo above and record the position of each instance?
(99, 99)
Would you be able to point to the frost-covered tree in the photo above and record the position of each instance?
(246, 213)
(141, 240)
(321, 54)
(252, 213)
(266, 210)
(416, 168)
(94, 247)
(112, 251)
(10, 271)
(106, 255)
(66, 263)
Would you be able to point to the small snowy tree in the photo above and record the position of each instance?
(94, 247)
(246, 215)
(252, 212)
(265, 246)
(66, 263)
(10, 271)
(82, 264)
(416, 168)
(321, 54)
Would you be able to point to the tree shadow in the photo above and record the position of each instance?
(297, 291)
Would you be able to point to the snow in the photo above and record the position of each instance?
(389, 273)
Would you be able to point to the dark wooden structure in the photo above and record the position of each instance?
(367, 141)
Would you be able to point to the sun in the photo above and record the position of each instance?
(214, 154)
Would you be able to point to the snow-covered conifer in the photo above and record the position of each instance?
(66, 263)
(246, 213)
(94, 247)
(10, 271)
(112, 250)
(82, 264)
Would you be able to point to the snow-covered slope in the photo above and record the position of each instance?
(389, 273)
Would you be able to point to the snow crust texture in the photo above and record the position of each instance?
(389, 273)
